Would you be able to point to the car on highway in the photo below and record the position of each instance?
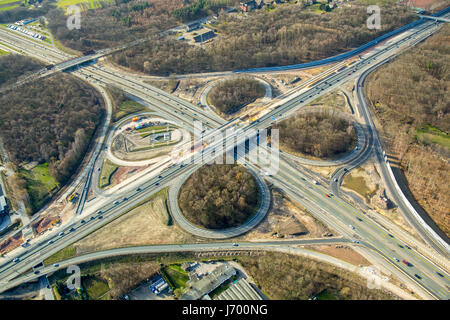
(390, 235)
(138, 189)
(359, 219)
(55, 265)
(327, 195)
(315, 182)
(100, 217)
(16, 260)
(439, 274)
(397, 260)
(335, 180)
(351, 227)
(408, 264)
(235, 244)
(99, 211)
(125, 199)
(157, 184)
(417, 276)
(36, 272)
(401, 246)
(116, 203)
(82, 221)
(355, 241)
(159, 177)
(61, 234)
(407, 247)
(72, 229)
(50, 241)
(92, 218)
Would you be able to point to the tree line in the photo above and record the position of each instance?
(407, 95)
(289, 34)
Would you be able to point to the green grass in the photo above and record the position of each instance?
(150, 129)
(40, 185)
(126, 108)
(2, 52)
(84, 4)
(325, 295)
(3, 2)
(61, 255)
(8, 8)
(176, 276)
(95, 287)
(108, 169)
(156, 145)
(428, 134)
(145, 135)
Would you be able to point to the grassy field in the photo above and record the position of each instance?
(40, 185)
(5, 2)
(150, 129)
(66, 253)
(177, 277)
(84, 4)
(126, 108)
(95, 287)
(8, 7)
(108, 169)
(429, 134)
(2, 52)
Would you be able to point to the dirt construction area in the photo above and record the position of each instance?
(287, 220)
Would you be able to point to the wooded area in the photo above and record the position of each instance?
(286, 35)
(289, 277)
(321, 134)
(219, 196)
(12, 66)
(52, 121)
(410, 99)
(230, 95)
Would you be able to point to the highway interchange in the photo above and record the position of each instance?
(374, 240)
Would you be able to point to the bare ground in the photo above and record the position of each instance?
(342, 252)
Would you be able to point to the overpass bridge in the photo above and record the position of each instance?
(440, 19)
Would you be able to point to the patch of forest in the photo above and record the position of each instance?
(219, 196)
(230, 95)
(289, 34)
(410, 99)
(321, 134)
(12, 66)
(287, 277)
(121, 21)
(50, 120)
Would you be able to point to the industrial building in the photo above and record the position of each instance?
(240, 290)
(204, 36)
(208, 282)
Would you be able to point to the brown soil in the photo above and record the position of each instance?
(11, 243)
(342, 252)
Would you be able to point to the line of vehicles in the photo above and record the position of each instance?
(26, 31)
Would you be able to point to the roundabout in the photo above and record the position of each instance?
(185, 224)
